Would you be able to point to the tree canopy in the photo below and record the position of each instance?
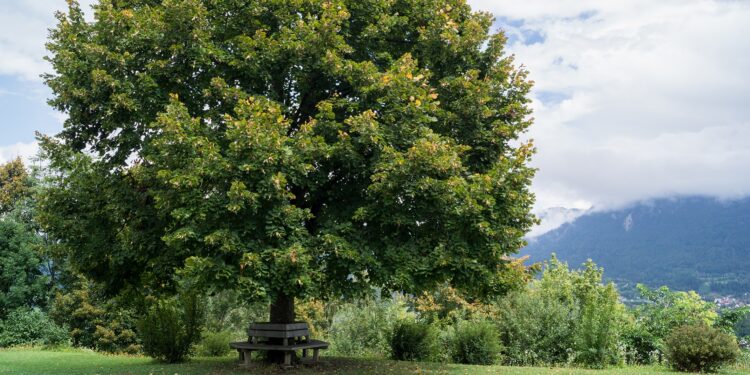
(15, 185)
(288, 148)
(22, 283)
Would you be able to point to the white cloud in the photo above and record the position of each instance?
(651, 97)
(25, 151)
(23, 32)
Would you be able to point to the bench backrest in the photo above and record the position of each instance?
(278, 330)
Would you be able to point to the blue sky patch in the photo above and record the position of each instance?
(516, 31)
(552, 98)
(24, 110)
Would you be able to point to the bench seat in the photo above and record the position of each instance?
(246, 348)
(310, 344)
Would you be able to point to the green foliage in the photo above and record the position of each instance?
(215, 344)
(413, 341)
(666, 310)
(21, 281)
(363, 329)
(742, 328)
(535, 329)
(700, 348)
(228, 310)
(565, 316)
(312, 149)
(317, 314)
(95, 321)
(30, 327)
(171, 327)
(599, 324)
(15, 185)
(730, 319)
(475, 343)
(743, 362)
(641, 346)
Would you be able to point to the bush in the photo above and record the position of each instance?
(412, 341)
(364, 329)
(475, 343)
(535, 329)
(700, 348)
(30, 327)
(566, 316)
(641, 347)
(215, 344)
(171, 327)
(600, 317)
(95, 321)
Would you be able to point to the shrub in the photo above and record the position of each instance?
(565, 316)
(364, 329)
(412, 341)
(700, 348)
(667, 310)
(215, 344)
(316, 314)
(446, 306)
(743, 362)
(30, 327)
(641, 347)
(95, 322)
(600, 317)
(475, 343)
(171, 327)
(535, 330)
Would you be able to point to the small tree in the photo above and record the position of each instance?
(15, 185)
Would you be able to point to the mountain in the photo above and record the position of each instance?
(690, 243)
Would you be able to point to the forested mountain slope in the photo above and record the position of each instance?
(692, 243)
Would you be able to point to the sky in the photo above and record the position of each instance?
(634, 99)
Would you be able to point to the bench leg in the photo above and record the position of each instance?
(315, 355)
(287, 358)
(248, 355)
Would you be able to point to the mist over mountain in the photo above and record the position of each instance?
(690, 243)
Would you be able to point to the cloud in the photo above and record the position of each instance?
(23, 32)
(25, 151)
(634, 100)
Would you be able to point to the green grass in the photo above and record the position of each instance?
(82, 362)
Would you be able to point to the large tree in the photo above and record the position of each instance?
(288, 148)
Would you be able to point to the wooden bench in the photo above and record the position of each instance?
(292, 337)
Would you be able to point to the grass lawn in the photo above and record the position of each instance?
(80, 362)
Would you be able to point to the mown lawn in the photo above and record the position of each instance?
(79, 362)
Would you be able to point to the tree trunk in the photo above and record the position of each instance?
(281, 312)
(282, 309)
